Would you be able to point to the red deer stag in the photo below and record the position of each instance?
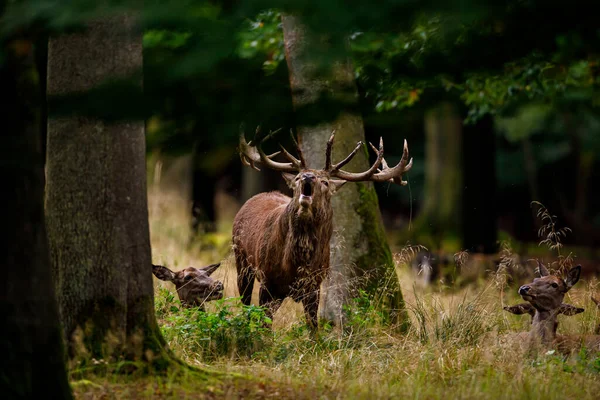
(194, 286)
(284, 241)
(546, 294)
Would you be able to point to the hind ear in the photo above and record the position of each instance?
(573, 276)
(163, 273)
(569, 310)
(542, 270)
(209, 269)
(518, 309)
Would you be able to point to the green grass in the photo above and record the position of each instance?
(453, 349)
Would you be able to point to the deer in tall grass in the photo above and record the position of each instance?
(194, 286)
(284, 241)
(545, 294)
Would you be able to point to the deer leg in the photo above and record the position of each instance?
(245, 279)
(266, 299)
(311, 307)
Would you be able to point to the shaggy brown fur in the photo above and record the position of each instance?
(285, 243)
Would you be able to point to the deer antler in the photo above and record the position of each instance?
(374, 173)
(252, 154)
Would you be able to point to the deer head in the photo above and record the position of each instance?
(194, 285)
(547, 292)
(314, 186)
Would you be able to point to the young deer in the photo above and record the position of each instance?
(194, 285)
(545, 294)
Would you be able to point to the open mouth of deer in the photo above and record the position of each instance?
(306, 195)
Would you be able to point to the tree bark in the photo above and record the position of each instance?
(360, 254)
(32, 365)
(97, 211)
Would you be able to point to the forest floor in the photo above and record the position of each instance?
(455, 347)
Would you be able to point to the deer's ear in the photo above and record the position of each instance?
(542, 270)
(163, 273)
(519, 309)
(573, 276)
(209, 269)
(569, 310)
(336, 184)
(289, 178)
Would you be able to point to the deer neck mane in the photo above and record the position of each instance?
(305, 235)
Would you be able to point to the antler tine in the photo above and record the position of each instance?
(270, 135)
(383, 174)
(290, 157)
(403, 166)
(360, 176)
(328, 151)
(349, 158)
(248, 154)
(251, 154)
(298, 149)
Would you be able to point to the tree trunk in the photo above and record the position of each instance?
(360, 255)
(97, 212)
(440, 217)
(32, 365)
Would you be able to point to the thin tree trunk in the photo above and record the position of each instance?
(360, 255)
(32, 365)
(97, 211)
(441, 215)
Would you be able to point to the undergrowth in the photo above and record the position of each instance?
(452, 348)
(232, 330)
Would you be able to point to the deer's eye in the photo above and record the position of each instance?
(188, 277)
(554, 284)
(325, 183)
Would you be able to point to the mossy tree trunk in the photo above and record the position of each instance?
(32, 364)
(97, 212)
(360, 254)
(441, 218)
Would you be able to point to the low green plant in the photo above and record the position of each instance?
(232, 330)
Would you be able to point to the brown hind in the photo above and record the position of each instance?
(545, 294)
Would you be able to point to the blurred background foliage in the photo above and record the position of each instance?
(529, 68)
